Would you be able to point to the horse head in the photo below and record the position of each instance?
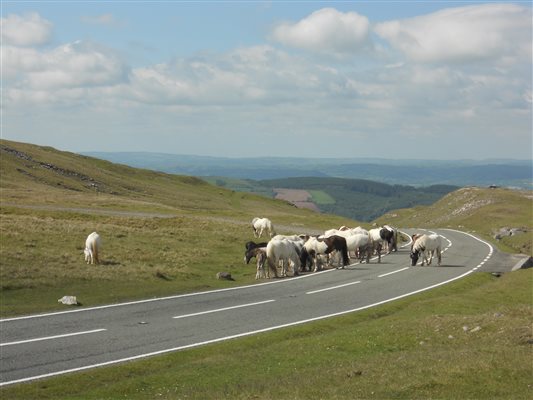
(414, 257)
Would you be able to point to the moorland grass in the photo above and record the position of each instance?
(470, 339)
(482, 211)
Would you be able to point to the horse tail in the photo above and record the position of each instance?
(345, 257)
(270, 227)
(94, 251)
(272, 258)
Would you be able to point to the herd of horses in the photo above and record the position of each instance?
(301, 253)
(309, 253)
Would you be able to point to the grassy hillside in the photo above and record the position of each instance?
(172, 233)
(483, 211)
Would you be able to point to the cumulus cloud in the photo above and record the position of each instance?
(74, 73)
(326, 31)
(464, 34)
(29, 30)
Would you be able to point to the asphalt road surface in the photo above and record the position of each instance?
(45, 345)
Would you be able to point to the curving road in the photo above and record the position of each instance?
(44, 345)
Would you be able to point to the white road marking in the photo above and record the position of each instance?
(333, 287)
(223, 309)
(393, 272)
(52, 337)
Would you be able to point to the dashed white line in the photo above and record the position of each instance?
(52, 337)
(333, 287)
(223, 309)
(393, 272)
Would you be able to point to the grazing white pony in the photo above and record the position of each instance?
(427, 245)
(283, 251)
(377, 241)
(259, 225)
(92, 248)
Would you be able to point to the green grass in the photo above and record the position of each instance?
(478, 210)
(425, 346)
(320, 197)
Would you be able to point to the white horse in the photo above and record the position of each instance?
(92, 248)
(259, 225)
(377, 241)
(283, 251)
(427, 245)
(360, 244)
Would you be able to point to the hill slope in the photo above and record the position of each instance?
(358, 198)
(490, 213)
(162, 234)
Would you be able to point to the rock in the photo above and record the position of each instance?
(68, 300)
(224, 275)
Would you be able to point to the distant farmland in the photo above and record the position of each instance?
(300, 198)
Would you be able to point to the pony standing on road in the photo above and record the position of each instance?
(426, 245)
(260, 225)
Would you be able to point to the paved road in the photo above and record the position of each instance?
(41, 346)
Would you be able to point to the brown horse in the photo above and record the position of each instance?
(338, 243)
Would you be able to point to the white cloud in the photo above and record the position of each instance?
(479, 32)
(78, 64)
(30, 30)
(326, 31)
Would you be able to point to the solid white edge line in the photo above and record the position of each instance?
(333, 287)
(223, 309)
(52, 337)
(141, 356)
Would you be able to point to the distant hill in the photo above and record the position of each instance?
(506, 173)
(359, 199)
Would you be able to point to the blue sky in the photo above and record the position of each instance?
(393, 79)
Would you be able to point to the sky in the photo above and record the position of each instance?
(389, 79)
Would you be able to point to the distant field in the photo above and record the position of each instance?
(358, 199)
(321, 197)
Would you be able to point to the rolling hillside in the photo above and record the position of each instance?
(502, 216)
(162, 234)
(360, 199)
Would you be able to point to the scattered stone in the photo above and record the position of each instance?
(224, 275)
(68, 300)
(465, 328)
(476, 329)
(450, 337)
